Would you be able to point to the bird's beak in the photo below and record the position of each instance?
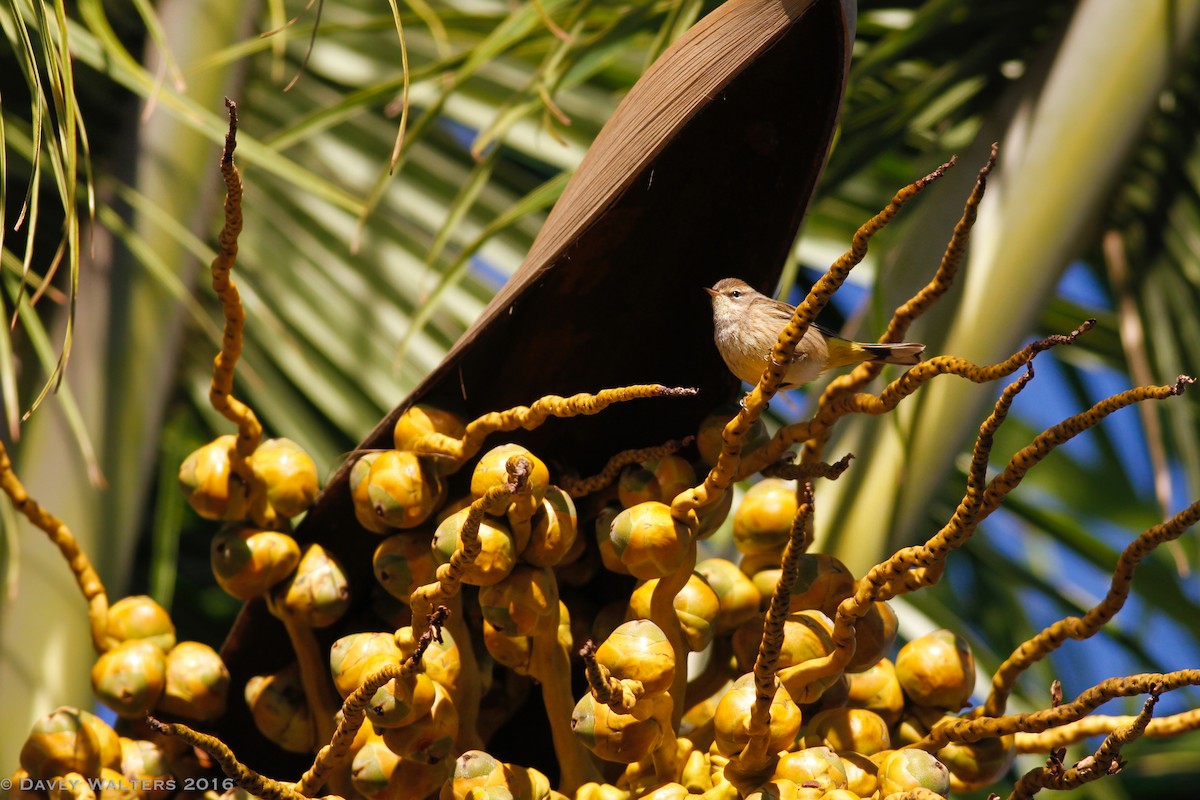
(711, 292)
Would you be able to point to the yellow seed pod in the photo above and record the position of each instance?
(874, 636)
(878, 690)
(209, 483)
(696, 606)
(280, 712)
(419, 430)
(402, 490)
(115, 786)
(848, 729)
(289, 474)
(496, 559)
(354, 658)
(247, 561)
(317, 593)
(622, 738)
(709, 441)
(638, 650)
(145, 764)
(822, 583)
(732, 720)
(441, 660)
(197, 683)
(376, 773)
(711, 517)
(813, 765)
(659, 480)
(131, 677)
(905, 770)
(492, 470)
(473, 769)
(525, 603)
(140, 617)
(763, 520)
(429, 739)
(401, 701)
(649, 541)
(69, 740)
(739, 598)
(513, 652)
(553, 530)
(403, 562)
(937, 670)
(604, 542)
(364, 511)
(862, 773)
(667, 791)
(977, 765)
(806, 635)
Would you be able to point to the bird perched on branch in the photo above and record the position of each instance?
(747, 324)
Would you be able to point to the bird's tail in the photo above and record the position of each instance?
(906, 353)
(843, 353)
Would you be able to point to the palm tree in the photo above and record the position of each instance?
(363, 260)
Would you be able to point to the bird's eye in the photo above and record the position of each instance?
(735, 294)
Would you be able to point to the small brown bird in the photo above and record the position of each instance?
(746, 325)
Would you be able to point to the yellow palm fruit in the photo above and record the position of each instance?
(115, 786)
(496, 559)
(708, 438)
(937, 670)
(401, 701)
(848, 729)
(145, 764)
(428, 739)
(131, 677)
(364, 511)
(732, 720)
(289, 474)
(476, 769)
(197, 683)
(419, 430)
(977, 765)
(737, 595)
(139, 617)
(524, 603)
(622, 738)
(878, 690)
(696, 606)
(862, 773)
(441, 660)
(840, 794)
(822, 583)
(638, 650)
(376, 773)
(553, 530)
(813, 765)
(712, 516)
(21, 786)
(659, 480)
(403, 562)
(806, 635)
(513, 652)
(492, 470)
(782, 789)
(604, 542)
(764, 517)
(667, 791)
(874, 636)
(648, 541)
(70, 740)
(280, 712)
(210, 484)
(905, 770)
(247, 561)
(317, 593)
(402, 490)
(354, 658)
